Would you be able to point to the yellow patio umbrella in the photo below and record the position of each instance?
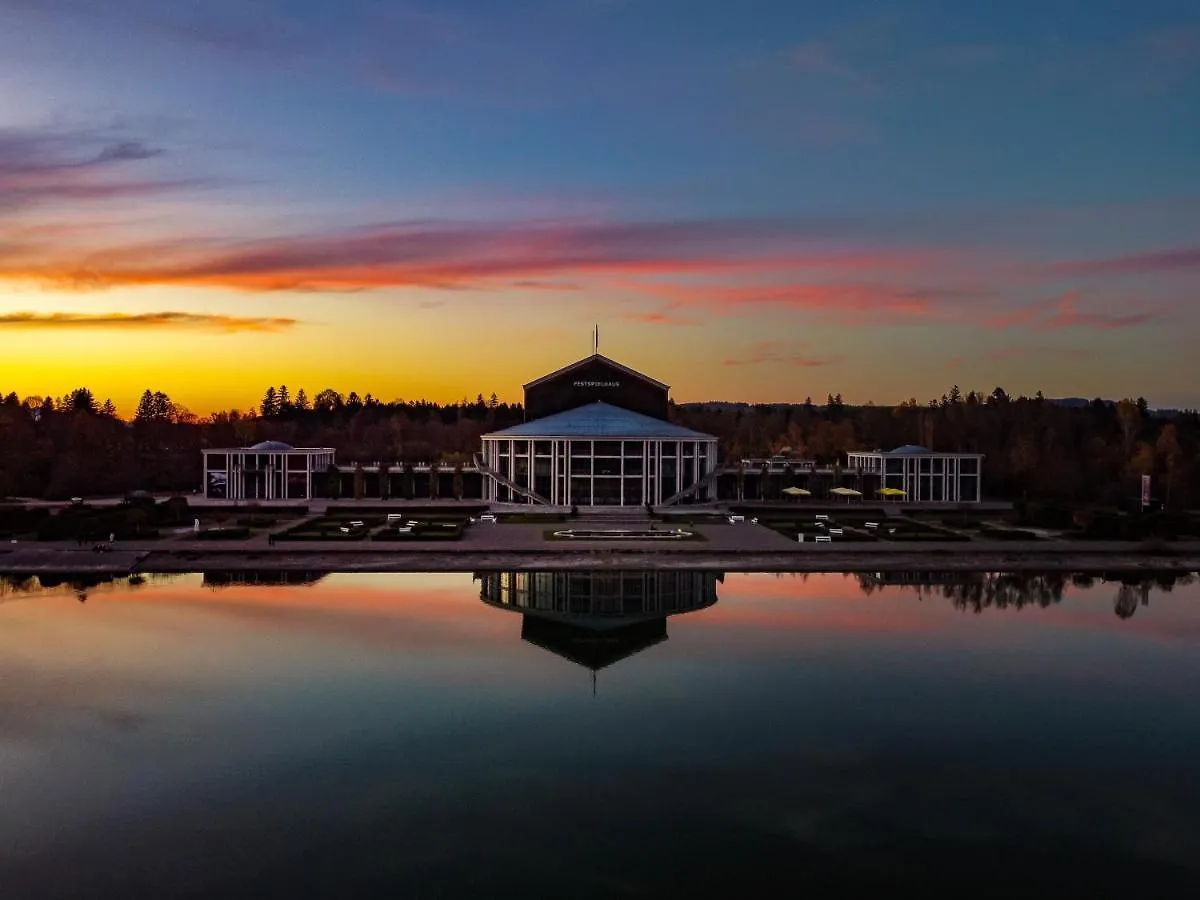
(797, 492)
(845, 492)
(893, 492)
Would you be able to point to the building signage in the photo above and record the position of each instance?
(600, 384)
(1145, 491)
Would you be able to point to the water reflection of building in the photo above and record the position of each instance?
(597, 618)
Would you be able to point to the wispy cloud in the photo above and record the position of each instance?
(1063, 311)
(42, 166)
(62, 320)
(785, 353)
(450, 255)
(820, 58)
(1148, 263)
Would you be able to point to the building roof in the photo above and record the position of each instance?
(914, 450)
(271, 447)
(594, 358)
(600, 420)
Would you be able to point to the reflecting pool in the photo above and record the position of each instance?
(583, 734)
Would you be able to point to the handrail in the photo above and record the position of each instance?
(511, 485)
(706, 481)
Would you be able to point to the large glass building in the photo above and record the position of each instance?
(598, 435)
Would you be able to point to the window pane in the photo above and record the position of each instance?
(541, 448)
(581, 448)
(581, 491)
(633, 466)
(633, 448)
(608, 448)
(606, 466)
(581, 466)
(633, 491)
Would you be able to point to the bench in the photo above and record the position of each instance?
(824, 537)
(735, 519)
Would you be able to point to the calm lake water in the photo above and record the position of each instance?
(556, 736)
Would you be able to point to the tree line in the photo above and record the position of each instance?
(1034, 448)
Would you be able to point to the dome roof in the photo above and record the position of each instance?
(911, 450)
(272, 447)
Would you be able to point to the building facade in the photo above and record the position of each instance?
(269, 470)
(923, 475)
(600, 438)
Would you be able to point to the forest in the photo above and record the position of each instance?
(1036, 449)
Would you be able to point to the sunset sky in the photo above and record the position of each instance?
(762, 201)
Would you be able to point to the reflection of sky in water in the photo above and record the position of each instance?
(393, 730)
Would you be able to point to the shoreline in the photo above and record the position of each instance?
(1073, 557)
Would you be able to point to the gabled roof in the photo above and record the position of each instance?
(600, 420)
(596, 357)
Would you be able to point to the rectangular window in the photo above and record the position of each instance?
(608, 448)
(217, 461)
(581, 466)
(969, 465)
(581, 491)
(581, 448)
(607, 466)
(668, 471)
(541, 448)
(297, 485)
(520, 448)
(297, 462)
(633, 491)
(633, 466)
(669, 448)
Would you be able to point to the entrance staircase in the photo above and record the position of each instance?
(491, 473)
(707, 481)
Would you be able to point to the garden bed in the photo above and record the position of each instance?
(423, 531)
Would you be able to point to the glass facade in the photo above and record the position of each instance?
(585, 472)
(925, 477)
(234, 474)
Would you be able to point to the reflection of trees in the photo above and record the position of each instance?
(14, 586)
(977, 591)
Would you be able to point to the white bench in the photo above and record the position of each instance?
(487, 517)
(392, 517)
(837, 531)
(822, 518)
(403, 529)
(872, 524)
(735, 519)
(824, 537)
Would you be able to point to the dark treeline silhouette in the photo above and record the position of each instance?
(975, 592)
(74, 446)
(1035, 448)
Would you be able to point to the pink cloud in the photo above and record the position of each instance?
(1151, 262)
